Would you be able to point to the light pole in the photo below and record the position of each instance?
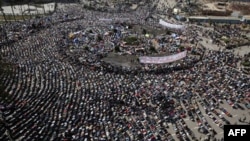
(29, 9)
(13, 13)
(21, 8)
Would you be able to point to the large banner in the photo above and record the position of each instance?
(169, 25)
(103, 19)
(164, 59)
(114, 19)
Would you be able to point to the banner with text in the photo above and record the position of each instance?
(169, 25)
(164, 59)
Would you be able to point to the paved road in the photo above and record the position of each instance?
(236, 114)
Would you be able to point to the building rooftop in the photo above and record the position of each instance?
(214, 17)
(247, 17)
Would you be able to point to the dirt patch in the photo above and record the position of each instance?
(149, 30)
(242, 7)
(121, 60)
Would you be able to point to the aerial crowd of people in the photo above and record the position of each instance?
(54, 96)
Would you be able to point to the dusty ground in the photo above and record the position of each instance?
(242, 7)
(121, 60)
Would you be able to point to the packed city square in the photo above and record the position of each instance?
(77, 76)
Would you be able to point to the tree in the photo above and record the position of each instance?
(1, 9)
(86, 48)
(144, 31)
(99, 38)
(117, 49)
(152, 49)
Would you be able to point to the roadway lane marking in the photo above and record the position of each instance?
(235, 115)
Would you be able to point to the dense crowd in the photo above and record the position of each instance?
(55, 97)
